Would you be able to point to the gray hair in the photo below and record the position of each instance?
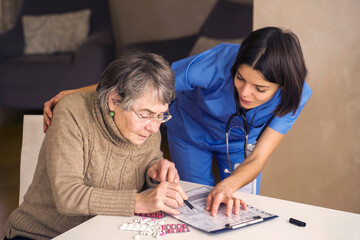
(132, 75)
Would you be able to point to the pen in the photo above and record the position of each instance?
(190, 206)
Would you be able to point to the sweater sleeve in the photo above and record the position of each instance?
(64, 153)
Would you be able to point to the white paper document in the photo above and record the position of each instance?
(205, 222)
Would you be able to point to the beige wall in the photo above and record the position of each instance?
(318, 161)
(144, 20)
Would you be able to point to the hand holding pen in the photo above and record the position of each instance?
(165, 171)
(166, 197)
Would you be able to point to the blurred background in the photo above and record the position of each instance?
(317, 163)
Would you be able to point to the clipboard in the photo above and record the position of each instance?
(203, 220)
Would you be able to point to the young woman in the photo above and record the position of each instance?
(235, 103)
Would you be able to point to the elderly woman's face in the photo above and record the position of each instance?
(131, 127)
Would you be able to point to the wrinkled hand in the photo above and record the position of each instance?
(167, 196)
(163, 170)
(48, 107)
(222, 193)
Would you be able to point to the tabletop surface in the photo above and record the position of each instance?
(321, 223)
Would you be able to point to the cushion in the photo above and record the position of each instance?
(204, 43)
(55, 32)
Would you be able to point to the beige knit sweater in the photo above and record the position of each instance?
(85, 168)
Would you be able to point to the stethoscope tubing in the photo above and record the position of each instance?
(227, 132)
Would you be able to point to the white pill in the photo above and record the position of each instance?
(123, 226)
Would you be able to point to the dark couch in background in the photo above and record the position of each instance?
(27, 81)
(228, 21)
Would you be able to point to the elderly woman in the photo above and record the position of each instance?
(100, 151)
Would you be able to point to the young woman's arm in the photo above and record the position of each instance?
(49, 105)
(245, 173)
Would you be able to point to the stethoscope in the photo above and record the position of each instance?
(241, 114)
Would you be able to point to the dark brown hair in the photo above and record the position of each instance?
(277, 55)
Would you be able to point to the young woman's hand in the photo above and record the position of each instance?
(163, 170)
(223, 193)
(48, 107)
(166, 197)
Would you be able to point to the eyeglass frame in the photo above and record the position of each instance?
(150, 117)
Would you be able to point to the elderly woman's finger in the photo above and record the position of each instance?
(162, 171)
(169, 210)
(173, 200)
(177, 177)
(172, 174)
(152, 173)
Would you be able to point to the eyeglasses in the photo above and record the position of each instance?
(146, 118)
(236, 120)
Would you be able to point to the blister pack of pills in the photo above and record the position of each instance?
(175, 228)
(151, 215)
(153, 227)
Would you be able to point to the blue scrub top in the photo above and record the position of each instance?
(205, 101)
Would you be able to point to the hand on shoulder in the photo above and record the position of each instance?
(49, 106)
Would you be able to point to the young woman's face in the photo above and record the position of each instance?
(131, 127)
(252, 87)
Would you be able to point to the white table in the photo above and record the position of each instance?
(321, 223)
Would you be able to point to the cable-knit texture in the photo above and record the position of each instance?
(85, 168)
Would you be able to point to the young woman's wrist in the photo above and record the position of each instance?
(230, 183)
